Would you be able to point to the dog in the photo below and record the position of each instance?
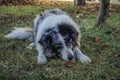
(54, 33)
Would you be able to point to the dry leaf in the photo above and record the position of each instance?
(96, 38)
(117, 54)
(70, 63)
(80, 16)
(15, 73)
(112, 31)
(102, 47)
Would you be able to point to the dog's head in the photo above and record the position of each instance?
(52, 39)
(56, 39)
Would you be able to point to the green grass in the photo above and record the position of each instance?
(15, 58)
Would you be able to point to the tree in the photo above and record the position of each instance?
(79, 2)
(103, 12)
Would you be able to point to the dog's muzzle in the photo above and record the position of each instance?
(69, 54)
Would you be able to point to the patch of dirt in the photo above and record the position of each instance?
(70, 63)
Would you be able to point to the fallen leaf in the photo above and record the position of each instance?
(15, 73)
(70, 63)
(117, 53)
(96, 38)
(112, 31)
(80, 16)
(104, 46)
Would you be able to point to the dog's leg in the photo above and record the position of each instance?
(41, 57)
(80, 56)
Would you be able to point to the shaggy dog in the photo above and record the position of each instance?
(54, 33)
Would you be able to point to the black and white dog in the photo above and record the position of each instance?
(54, 33)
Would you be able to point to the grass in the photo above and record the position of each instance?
(17, 62)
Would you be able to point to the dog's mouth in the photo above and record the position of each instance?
(58, 47)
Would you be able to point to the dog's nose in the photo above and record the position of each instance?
(58, 45)
(70, 57)
(70, 54)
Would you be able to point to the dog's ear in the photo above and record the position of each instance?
(70, 33)
(67, 29)
(74, 36)
(74, 32)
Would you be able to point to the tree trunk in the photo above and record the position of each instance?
(103, 12)
(79, 2)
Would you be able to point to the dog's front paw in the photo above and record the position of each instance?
(84, 59)
(42, 59)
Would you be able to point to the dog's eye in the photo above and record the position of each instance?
(48, 39)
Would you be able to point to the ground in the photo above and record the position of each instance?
(101, 44)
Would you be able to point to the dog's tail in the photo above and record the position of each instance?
(21, 33)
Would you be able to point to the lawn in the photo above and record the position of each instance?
(100, 44)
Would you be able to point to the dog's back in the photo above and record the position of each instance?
(53, 12)
(41, 17)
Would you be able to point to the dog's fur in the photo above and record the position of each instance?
(54, 33)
